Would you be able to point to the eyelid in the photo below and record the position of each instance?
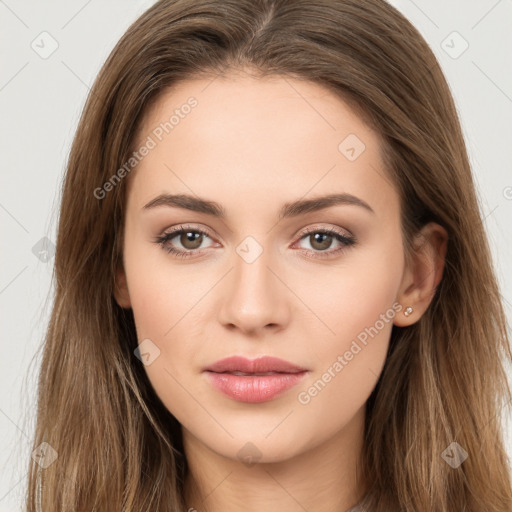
(333, 229)
(189, 227)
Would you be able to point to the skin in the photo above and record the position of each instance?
(252, 145)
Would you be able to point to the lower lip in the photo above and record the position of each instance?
(254, 389)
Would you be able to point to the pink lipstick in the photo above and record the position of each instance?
(256, 380)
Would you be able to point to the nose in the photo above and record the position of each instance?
(255, 298)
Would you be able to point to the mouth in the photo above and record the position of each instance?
(254, 381)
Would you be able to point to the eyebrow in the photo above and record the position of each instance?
(291, 209)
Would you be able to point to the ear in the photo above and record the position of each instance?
(422, 274)
(121, 293)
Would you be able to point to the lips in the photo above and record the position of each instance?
(242, 366)
(253, 381)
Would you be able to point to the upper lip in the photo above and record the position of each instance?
(259, 365)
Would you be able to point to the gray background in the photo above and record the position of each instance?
(41, 97)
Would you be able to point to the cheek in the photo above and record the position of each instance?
(356, 303)
(165, 306)
(161, 294)
(352, 296)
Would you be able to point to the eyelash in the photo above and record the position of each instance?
(345, 240)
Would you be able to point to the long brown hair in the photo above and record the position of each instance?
(117, 446)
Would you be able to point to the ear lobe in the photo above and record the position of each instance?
(423, 273)
(121, 293)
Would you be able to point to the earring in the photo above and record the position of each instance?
(408, 311)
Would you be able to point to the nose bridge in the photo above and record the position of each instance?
(254, 296)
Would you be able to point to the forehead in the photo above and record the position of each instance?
(236, 134)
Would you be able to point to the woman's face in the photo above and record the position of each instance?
(253, 282)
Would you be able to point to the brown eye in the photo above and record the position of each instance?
(320, 241)
(191, 239)
(183, 242)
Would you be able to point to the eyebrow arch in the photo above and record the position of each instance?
(291, 209)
